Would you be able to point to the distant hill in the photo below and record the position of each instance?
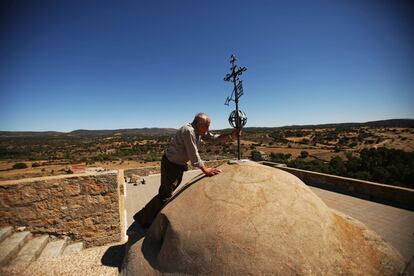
(408, 123)
(132, 131)
(85, 132)
(382, 123)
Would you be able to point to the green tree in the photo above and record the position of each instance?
(337, 166)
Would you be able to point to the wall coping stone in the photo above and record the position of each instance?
(52, 177)
(401, 197)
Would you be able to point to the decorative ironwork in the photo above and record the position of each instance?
(237, 118)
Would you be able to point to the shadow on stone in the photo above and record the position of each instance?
(114, 256)
(153, 243)
(137, 234)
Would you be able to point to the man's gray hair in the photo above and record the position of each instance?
(201, 118)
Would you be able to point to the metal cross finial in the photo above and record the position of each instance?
(237, 118)
(233, 59)
(235, 72)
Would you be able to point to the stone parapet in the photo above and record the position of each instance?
(85, 207)
(400, 197)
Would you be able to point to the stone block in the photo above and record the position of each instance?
(73, 248)
(26, 213)
(53, 249)
(88, 222)
(96, 188)
(3, 203)
(11, 196)
(56, 202)
(41, 206)
(72, 189)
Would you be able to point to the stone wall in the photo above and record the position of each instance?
(85, 207)
(387, 194)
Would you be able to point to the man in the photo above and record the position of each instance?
(183, 148)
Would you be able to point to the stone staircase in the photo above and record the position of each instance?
(20, 248)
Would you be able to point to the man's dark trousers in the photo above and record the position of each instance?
(171, 176)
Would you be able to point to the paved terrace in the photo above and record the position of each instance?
(394, 225)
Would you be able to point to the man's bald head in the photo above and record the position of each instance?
(201, 118)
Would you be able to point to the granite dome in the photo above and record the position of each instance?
(253, 219)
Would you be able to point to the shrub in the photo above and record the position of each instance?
(35, 164)
(280, 157)
(20, 166)
(256, 155)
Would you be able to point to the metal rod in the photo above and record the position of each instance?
(236, 100)
(233, 77)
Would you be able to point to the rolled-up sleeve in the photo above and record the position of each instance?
(191, 149)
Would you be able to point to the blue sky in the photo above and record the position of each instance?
(69, 65)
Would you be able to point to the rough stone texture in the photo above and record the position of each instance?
(84, 207)
(145, 171)
(400, 197)
(252, 219)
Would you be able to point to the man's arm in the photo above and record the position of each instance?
(223, 137)
(192, 151)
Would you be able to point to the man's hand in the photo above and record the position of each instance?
(210, 171)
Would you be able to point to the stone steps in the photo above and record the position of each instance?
(19, 249)
(53, 249)
(5, 232)
(12, 245)
(30, 251)
(73, 248)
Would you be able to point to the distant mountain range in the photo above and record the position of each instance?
(84, 132)
(408, 123)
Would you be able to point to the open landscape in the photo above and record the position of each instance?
(325, 148)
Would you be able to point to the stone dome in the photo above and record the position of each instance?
(253, 219)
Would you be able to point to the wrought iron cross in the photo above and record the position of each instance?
(237, 118)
